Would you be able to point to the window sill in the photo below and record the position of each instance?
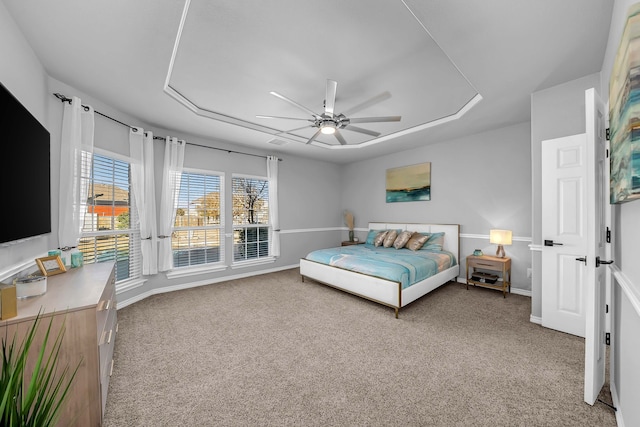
(193, 271)
(128, 285)
(251, 263)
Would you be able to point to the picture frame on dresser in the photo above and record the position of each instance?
(51, 265)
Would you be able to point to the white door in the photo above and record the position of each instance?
(564, 232)
(594, 370)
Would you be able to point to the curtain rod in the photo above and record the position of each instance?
(63, 98)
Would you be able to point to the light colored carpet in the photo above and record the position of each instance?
(273, 351)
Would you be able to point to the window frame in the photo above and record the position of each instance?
(219, 265)
(255, 260)
(137, 279)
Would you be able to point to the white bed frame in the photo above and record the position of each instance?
(384, 291)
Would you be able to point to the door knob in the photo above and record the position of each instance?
(583, 259)
(551, 243)
(598, 262)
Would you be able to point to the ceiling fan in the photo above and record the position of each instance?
(330, 123)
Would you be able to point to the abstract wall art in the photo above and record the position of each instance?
(409, 183)
(624, 113)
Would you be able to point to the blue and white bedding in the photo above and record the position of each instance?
(398, 265)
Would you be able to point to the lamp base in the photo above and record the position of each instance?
(500, 251)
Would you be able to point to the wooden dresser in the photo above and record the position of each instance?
(85, 299)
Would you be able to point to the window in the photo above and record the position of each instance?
(199, 222)
(251, 228)
(110, 231)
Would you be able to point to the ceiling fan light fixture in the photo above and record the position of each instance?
(328, 128)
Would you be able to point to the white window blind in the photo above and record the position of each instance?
(110, 231)
(251, 228)
(199, 224)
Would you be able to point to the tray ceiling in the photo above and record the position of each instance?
(221, 59)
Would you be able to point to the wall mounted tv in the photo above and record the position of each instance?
(25, 187)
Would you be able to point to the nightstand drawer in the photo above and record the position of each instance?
(481, 263)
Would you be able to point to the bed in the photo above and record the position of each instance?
(333, 267)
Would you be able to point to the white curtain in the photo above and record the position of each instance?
(77, 136)
(144, 193)
(171, 175)
(272, 176)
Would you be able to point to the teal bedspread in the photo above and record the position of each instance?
(399, 265)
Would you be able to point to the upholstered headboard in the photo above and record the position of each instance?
(451, 232)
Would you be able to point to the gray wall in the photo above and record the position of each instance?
(555, 112)
(23, 75)
(625, 346)
(482, 181)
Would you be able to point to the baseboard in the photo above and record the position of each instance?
(165, 289)
(535, 319)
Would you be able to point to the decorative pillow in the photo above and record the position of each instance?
(435, 242)
(379, 239)
(371, 236)
(416, 241)
(390, 238)
(402, 239)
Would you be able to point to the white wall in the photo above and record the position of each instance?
(481, 181)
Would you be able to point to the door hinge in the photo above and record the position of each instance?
(608, 236)
(606, 308)
(607, 338)
(607, 153)
(608, 134)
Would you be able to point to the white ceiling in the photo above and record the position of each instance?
(433, 57)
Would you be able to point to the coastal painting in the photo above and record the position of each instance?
(409, 183)
(624, 113)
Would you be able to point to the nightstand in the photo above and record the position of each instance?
(479, 270)
(348, 243)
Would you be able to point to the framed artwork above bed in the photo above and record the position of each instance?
(409, 183)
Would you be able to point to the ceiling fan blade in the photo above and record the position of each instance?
(330, 99)
(315, 135)
(357, 129)
(293, 130)
(375, 119)
(367, 103)
(339, 137)
(260, 116)
(294, 103)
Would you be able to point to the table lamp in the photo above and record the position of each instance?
(500, 238)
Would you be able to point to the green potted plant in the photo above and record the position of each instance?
(38, 402)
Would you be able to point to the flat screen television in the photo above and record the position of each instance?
(25, 186)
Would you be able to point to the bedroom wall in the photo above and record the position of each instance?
(625, 341)
(555, 112)
(24, 76)
(481, 181)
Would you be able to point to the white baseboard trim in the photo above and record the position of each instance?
(535, 319)
(616, 403)
(165, 289)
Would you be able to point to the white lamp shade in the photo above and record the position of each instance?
(500, 237)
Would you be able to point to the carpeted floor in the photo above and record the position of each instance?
(273, 351)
